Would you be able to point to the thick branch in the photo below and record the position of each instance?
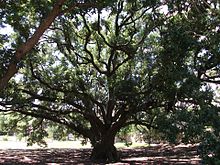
(117, 27)
(29, 44)
(87, 39)
(79, 129)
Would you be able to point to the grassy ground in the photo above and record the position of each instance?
(10, 142)
(154, 155)
(13, 151)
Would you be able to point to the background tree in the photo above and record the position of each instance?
(103, 68)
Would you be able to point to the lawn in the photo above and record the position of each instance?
(10, 142)
(72, 152)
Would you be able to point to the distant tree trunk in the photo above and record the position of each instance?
(104, 150)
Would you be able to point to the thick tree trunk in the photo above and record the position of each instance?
(105, 151)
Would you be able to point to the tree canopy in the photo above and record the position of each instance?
(97, 67)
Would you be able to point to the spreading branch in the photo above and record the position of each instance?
(26, 47)
(29, 44)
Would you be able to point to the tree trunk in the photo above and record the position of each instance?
(105, 151)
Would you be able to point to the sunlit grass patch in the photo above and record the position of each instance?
(132, 145)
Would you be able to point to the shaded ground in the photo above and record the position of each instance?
(157, 154)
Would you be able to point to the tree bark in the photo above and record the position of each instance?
(105, 151)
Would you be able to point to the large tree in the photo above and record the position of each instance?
(102, 68)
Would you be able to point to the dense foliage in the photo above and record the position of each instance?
(101, 67)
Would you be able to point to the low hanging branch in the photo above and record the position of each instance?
(30, 43)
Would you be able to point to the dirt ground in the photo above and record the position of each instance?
(155, 154)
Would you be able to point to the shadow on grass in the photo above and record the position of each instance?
(162, 154)
(158, 154)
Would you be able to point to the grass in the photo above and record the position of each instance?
(133, 145)
(13, 143)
